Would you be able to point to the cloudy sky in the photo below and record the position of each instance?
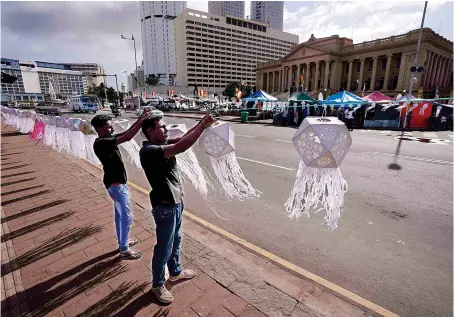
(90, 31)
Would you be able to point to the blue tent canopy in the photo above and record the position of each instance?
(343, 98)
(260, 96)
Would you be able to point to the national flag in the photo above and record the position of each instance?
(198, 92)
(302, 80)
(153, 94)
(238, 93)
(364, 89)
(144, 95)
(205, 93)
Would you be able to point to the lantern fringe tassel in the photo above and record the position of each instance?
(77, 144)
(314, 186)
(26, 125)
(191, 171)
(231, 177)
(89, 139)
(132, 148)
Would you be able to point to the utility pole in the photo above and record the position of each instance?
(395, 165)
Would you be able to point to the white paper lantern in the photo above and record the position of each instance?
(218, 141)
(188, 164)
(63, 135)
(89, 135)
(131, 147)
(322, 144)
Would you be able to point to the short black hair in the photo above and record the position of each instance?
(100, 120)
(149, 123)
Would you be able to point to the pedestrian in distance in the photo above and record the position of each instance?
(349, 115)
(409, 117)
(157, 157)
(115, 178)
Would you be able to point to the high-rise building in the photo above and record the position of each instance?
(269, 12)
(93, 72)
(225, 8)
(158, 38)
(213, 50)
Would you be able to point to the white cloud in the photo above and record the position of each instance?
(362, 21)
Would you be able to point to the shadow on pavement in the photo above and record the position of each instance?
(61, 241)
(8, 134)
(20, 190)
(10, 162)
(17, 174)
(18, 181)
(44, 297)
(36, 226)
(33, 210)
(115, 300)
(13, 167)
(15, 200)
(9, 154)
(139, 303)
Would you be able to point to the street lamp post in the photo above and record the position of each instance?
(135, 58)
(395, 165)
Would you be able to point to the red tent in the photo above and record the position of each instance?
(377, 96)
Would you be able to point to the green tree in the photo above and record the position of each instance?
(152, 80)
(112, 95)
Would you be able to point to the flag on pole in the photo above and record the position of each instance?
(364, 89)
(436, 94)
(302, 80)
(238, 93)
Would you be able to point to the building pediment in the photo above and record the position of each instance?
(304, 50)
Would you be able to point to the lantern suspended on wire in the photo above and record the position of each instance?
(218, 141)
(322, 144)
(51, 128)
(62, 135)
(188, 164)
(89, 138)
(131, 147)
(76, 139)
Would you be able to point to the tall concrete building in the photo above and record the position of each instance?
(225, 8)
(336, 63)
(213, 50)
(93, 72)
(158, 38)
(270, 12)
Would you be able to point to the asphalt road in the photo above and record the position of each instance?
(394, 244)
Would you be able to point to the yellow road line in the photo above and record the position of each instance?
(349, 296)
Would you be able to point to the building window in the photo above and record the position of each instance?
(358, 67)
(370, 66)
(383, 64)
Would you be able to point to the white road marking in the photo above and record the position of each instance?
(263, 163)
(385, 132)
(280, 140)
(450, 135)
(246, 136)
(429, 135)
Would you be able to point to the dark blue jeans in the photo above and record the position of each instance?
(168, 219)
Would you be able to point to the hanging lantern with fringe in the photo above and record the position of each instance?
(322, 144)
(218, 141)
(76, 138)
(89, 139)
(188, 164)
(131, 147)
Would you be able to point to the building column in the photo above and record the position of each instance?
(290, 71)
(374, 73)
(262, 85)
(276, 81)
(443, 66)
(434, 71)
(361, 74)
(349, 77)
(448, 74)
(307, 76)
(298, 75)
(426, 70)
(439, 71)
(282, 80)
(317, 70)
(268, 82)
(402, 71)
(388, 70)
(325, 81)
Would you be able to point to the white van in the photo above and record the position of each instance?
(84, 103)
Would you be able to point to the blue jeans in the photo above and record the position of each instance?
(123, 216)
(168, 219)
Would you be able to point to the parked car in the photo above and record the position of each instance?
(154, 112)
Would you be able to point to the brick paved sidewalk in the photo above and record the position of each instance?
(60, 258)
